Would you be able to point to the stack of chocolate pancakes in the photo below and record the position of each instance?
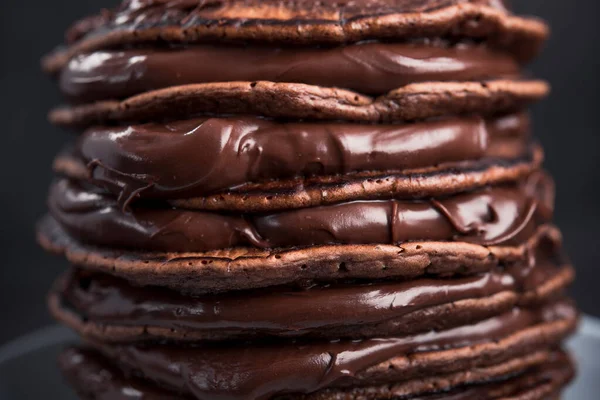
(306, 200)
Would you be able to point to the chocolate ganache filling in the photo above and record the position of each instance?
(201, 156)
(262, 371)
(493, 215)
(369, 68)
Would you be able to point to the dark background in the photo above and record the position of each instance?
(567, 124)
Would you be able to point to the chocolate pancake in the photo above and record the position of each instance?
(506, 214)
(309, 191)
(303, 199)
(300, 101)
(109, 309)
(543, 375)
(262, 371)
(245, 155)
(301, 23)
(246, 268)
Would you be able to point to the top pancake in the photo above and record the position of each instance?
(300, 22)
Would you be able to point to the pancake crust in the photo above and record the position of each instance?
(247, 268)
(300, 101)
(301, 23)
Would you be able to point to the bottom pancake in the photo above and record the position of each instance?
(537, 376)
(267, 369)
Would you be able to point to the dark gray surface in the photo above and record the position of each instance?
(567, 124)
(28, 365)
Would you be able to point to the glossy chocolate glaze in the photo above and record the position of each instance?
(202, 156)
(261, 371)
(370, 68)
(493, 215)
(281, 311)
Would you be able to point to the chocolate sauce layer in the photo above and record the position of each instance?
(201, 156)
(289, 312)
(494, 215)
(263, 371)
(369, 68)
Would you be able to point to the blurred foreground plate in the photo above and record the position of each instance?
(28, 364)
